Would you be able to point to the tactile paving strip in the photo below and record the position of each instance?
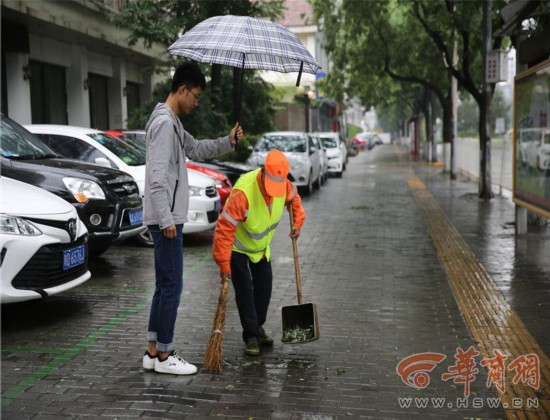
(492, 322)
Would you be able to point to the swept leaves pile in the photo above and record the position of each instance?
(296, 334)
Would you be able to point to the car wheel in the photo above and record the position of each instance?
(145, 238)
(322, 179)
(317, 183)
(308, 189)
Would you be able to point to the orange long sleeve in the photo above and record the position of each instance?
(234, 212)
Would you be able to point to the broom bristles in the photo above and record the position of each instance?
(213, 358)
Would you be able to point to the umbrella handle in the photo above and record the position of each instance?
(300, 74)
(296, 264)
(239, 99)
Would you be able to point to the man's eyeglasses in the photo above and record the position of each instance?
(197, 97)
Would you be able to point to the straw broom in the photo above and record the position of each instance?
(214, 352)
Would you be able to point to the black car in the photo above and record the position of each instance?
(107, 200)
(232, 170)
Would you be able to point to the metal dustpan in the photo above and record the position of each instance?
(299, 322)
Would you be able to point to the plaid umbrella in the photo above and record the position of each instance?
(246, 42)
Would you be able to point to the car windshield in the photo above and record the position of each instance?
(284, 143)
(329, 142)
(363, 136)
(128, 154)
(18, 143)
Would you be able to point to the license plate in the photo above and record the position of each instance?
(74, 257)
(136, 216)
(218, 206)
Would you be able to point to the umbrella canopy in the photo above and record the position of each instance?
(245, 42)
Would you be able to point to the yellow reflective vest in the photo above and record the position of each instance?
(254, 235)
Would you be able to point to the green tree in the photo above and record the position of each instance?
(407, 40)
(163, 21)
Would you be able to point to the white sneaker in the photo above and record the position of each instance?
(149, 361)
(174, 365)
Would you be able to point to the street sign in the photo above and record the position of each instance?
(497, 66)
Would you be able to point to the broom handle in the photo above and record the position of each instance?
(296, 264)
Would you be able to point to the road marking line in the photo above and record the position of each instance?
(490, 319)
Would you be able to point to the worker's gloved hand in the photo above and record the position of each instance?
(225, 277)
(294, 233)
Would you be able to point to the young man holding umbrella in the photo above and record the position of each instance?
(165, 207)
(242, 241)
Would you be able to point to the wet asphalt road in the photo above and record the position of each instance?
(366, 261)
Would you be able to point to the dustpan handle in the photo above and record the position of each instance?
(296, 264)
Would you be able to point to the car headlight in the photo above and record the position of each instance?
(17, 226)
(195, 191)
(297, 164)
(84, 189)
(218, 184)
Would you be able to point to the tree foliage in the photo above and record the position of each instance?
(378, 46)
(164, 21)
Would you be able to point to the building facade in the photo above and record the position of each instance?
(64, 62)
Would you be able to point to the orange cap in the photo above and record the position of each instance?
(276, 170)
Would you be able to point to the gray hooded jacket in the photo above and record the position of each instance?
(166, 199)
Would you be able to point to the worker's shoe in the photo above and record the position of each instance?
(252, 347)
(264, 339)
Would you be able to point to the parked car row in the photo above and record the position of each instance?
(365, 140)
(70, 193)
(98, 147)
(312, 156)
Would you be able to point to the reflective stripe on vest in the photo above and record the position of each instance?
(254, 235)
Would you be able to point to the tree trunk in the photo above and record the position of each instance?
(448, 131)
(485, 183)
(433, 123)
(428, 112)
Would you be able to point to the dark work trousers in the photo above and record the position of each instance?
(252, 283)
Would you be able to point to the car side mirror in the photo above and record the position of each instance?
(101, 161)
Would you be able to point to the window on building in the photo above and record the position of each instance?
(133, 100)
(99, 102)
(48, 93)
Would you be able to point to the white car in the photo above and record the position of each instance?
(337, 152)
(323, 157)
(98, 147)
(302, 155)
(44, 244)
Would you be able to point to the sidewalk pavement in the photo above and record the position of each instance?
(404, 266)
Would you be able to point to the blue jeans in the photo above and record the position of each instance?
(168, 287)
